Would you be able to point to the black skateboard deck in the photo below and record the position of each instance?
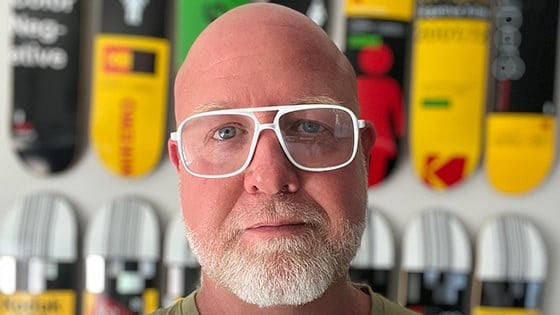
(45, 127)
(521, 127)
(317, 10)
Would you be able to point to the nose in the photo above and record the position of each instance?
(270, 171)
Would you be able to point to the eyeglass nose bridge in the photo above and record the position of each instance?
(260, 127)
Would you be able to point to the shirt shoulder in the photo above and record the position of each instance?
(184, 306)
(382, 306)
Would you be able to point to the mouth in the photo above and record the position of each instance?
(277, 228)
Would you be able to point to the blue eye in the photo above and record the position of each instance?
(225, 133)
(311, 127)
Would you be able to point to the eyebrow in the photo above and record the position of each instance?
(321, 99)
(209, 107)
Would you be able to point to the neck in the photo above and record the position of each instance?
(340, 298)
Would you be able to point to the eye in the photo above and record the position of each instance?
(310, 126)
(225, 133)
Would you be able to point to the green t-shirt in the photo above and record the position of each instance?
(380, 305)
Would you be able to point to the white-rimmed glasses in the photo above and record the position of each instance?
(314, 137)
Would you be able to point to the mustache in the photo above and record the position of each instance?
(278, 208)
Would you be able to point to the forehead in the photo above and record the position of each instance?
(271, 65)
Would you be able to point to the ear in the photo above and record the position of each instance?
(367, 139)
(173, 153)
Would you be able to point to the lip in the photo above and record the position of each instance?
(276, 224)
(267, 230)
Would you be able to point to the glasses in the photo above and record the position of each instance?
(314, 137)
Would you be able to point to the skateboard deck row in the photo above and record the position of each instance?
(121, 251)
(508, 278)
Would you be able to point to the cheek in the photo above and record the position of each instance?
(205, 203)
(342, 193)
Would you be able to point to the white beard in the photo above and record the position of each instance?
(292, 270)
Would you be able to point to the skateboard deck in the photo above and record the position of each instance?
(121, 249)
(450, 53)
(38, 257)
(181, 266)
(192, 17)
(377, 43)
(436, 265)
(510, 269)
(375, 258)
(521, 129)
(317, 10)
(129, 86)
(44, 117)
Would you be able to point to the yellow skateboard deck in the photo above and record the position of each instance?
(448, 91)
(130, 86)
(130, 102)
(520, 144)
(519, 150)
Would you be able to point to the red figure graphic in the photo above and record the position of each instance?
(381, 102)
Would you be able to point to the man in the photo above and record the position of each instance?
(272, 165)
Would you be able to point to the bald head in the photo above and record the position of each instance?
(262, 54)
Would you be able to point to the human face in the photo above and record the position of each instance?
(272, 220)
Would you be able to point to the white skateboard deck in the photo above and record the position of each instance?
(375, 259)
(181, 266)
(38, 256)
(511, 268)
(436, 265)
(121, 249)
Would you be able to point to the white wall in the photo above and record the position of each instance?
(88, 186)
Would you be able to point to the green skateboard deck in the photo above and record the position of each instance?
(45, 126)
(436, 265)
(521, 129)
(192, 17)
(448, 89)
(121, 251)
(377, 45)
(38, 257)
(129, 87)
(511, 268)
